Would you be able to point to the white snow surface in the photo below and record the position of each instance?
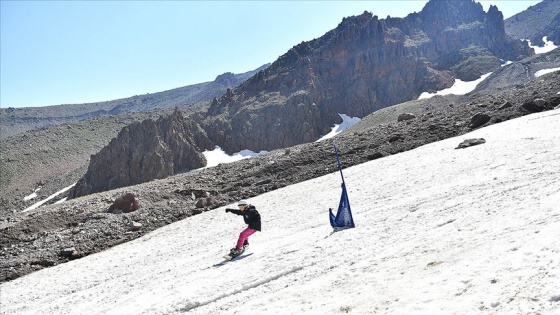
(218, 156)
(546, 71)
(458, 88)
(40, 203)
(438, 230)
(32, 195)
(347, 122)
(548, 46)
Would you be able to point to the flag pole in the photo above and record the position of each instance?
(343, 218)
(338, 162)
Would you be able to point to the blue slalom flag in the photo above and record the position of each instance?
(343, 218)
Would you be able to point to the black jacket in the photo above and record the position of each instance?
(251, 216)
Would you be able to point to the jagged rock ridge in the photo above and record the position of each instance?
(363, 65)
(18, 120)
(145, 151)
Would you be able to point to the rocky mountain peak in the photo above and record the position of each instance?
(357, 20)
(227, 79)
(441, 14)
(362, 65)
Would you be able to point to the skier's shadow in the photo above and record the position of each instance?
(235, 259)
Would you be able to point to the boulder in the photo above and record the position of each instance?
(534, 106)
(126, 203)
(405, 116)
(478, 120)
(470, 142)
(135, 226)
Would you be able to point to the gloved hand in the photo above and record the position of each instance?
(228, 210)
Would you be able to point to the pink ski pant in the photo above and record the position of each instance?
(243, 236)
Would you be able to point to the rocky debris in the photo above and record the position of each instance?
(505, 105)
(470, 142)
(209, 202)
(396, 137)
(70, 253)
(126, 203)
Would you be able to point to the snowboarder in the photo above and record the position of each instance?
(252, 217)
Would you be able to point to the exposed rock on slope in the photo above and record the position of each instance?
(364, 64)
(542, 19)
(519, 73)
(145, 151)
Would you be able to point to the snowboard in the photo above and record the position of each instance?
(231, 256)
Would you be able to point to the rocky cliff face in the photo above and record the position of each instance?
(145, 151)
(364, 64)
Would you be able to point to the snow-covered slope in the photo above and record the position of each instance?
(438, 230)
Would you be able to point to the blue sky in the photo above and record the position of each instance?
(70, 52)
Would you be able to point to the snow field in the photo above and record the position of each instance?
(438, 230)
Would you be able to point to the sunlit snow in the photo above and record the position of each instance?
(548, 46)
(218, 156)
(33, 195)
(545, 71)
(438, 230)
(459, 88)
(40, 203)
(505, 63)
(347, 122)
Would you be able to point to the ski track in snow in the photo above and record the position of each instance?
(438, 230)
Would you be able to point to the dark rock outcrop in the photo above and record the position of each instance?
(534, 106)
(145, 151)
(362, 65)
(505, 105)
(479, 119)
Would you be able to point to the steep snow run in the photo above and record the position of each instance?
(439, 230)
